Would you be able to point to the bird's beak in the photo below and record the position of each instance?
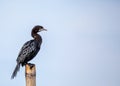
(44, 29)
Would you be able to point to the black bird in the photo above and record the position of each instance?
(29, 49)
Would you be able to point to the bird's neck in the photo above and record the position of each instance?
(37, 37)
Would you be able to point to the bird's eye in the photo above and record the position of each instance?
(41, 27)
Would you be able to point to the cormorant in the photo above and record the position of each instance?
(29, 49)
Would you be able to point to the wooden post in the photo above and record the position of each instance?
(30, 74)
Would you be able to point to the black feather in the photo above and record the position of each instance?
(17, 68)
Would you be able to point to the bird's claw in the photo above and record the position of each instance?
(31, 65)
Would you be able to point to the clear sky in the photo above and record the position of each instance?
(80, 48)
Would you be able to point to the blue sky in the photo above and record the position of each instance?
(80, 48)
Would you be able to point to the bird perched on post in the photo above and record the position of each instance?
(29, 49)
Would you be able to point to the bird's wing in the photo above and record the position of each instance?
(26, 50)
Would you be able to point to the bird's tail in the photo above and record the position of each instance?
(15, 70)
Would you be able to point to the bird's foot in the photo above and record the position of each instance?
(31, 65)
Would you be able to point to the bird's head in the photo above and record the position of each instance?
(38, 28)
